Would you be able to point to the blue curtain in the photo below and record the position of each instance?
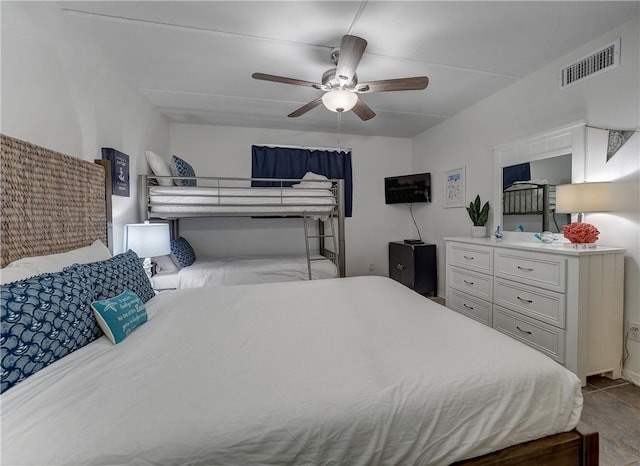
(286, 162)
(520, 172)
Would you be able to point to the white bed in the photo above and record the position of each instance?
(352, 371)
(213, 200)
(245, 270)
(313, 196)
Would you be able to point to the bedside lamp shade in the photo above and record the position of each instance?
(147, 240)
(584, 197)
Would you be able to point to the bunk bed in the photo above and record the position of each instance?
(530, 198)
(256, 347)
(229, 196)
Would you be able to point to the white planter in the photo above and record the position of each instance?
(478, 232)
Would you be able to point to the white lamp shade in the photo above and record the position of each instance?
(147, 239)
(584, 197)
(339, 100)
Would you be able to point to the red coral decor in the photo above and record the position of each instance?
(581, 233)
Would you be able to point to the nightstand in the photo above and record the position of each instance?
(414, 265)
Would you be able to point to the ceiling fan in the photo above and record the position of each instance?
(341, 86)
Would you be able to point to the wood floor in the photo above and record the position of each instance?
(612, 407)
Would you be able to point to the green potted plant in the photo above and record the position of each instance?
(479, 217)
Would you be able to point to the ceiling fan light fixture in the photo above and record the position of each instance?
(339, 100)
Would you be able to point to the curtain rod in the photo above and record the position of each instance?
(338, 149)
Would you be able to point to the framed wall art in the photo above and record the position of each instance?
(454, 188)
(119, 170)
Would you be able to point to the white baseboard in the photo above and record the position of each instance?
(632, 377)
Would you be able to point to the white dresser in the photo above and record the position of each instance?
(565, 302)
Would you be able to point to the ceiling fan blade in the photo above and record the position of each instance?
(351, 51)
(363, 110)
(305, 108)
(281, 79)
(400, 84)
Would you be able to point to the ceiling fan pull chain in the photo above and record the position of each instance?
(339, 126)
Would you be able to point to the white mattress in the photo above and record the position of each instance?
(351, 371)
(245, 270)
(177, 199)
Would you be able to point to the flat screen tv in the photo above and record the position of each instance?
(407, 189)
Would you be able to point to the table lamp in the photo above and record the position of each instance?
(581, 198)
(147, 240)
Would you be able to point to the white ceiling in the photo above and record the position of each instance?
(193, 60)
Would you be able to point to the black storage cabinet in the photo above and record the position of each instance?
(414, 265)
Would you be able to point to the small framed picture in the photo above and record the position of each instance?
(119, 170)
(454, 184)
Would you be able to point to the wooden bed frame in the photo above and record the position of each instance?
(579, 447)
(53, 203)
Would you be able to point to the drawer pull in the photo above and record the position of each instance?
(400, 267)
(524, 300)
(468, 282)
(525, 269)
(468, 307)
(469, 258)
(523, 331)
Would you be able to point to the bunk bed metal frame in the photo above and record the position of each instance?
(539, 199)
(235, 196)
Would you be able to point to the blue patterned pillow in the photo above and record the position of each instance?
(181, 168)
(119, 316)
(112, 276)
(43, 319)
(183, 251)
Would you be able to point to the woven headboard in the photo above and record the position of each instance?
(50, 202)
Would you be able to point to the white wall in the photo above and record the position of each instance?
(226, 151)
(534, 105)
(62, 94)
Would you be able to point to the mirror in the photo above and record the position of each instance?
(558, 157)
(528, 197)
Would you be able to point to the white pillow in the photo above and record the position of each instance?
(31, 266)
(313, 184)
(314, 176)
(159, 167)
(10, 275)
(165, 264)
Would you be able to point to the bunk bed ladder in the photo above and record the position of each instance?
(333, 255)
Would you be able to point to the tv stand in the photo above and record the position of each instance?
(414, 265)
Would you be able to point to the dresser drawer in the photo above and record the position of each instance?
(545, 338)
(543, 270)
(470, 306)
(474, 283)
(474, 257)
(544, 305)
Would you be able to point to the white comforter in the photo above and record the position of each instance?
(180, 199)
(245, 270)
(355, 371)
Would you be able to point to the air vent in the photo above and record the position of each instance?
(605, 59)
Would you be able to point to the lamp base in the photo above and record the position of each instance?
(580, 245)
(146, 265)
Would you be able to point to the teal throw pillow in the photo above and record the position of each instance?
(118, 316)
